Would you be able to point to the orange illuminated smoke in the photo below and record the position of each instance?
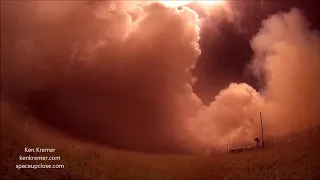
(184, 3)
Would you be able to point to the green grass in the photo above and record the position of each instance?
(298, 160)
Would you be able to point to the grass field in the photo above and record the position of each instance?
(298, 160)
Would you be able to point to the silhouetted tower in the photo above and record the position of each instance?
(262, 138)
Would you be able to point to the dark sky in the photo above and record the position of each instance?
(225, 57)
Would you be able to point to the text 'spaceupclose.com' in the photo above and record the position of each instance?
(46, 156)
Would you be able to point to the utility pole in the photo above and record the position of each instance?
(261, 130)
(260, 83)
(26, 128)
(310, 127)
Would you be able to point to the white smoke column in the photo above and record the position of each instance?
(289, 52)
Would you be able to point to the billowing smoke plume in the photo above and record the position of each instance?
(289, 53)
(118, 73)
(233, 116)
(96, 72)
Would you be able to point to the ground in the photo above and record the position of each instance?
(295, 160)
